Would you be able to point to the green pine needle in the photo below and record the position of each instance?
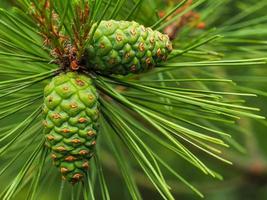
(188, 106)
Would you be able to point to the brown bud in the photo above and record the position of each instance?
(102, 46)
(76, 141)
(161, 37)
(70, 158)
(85, 165)
(66, 88)
(127, 55)
(152, 40)
(148, 61)
(159, 52)
(77, 176)
(119, 37)
(50, 99)
(65, 130)
(142, 46)
(56, 116)
(74, 65)
(133, 32)
(82, 120)
(61, 148)
(201, 25)
(80, 82)
(90, 133)
(133, 68)
(50, 137)
(45, 123)
(73, 105)
(53, 156)
(63, 170)
(91, 97)
(83, 152)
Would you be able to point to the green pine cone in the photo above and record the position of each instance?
(71, 123)
(122, 47)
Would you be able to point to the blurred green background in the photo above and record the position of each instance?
(246, 179)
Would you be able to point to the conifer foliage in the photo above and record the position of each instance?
(89, 83)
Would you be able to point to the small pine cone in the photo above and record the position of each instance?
(71, 123)
(122, 47)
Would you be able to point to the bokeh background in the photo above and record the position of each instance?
(246, 179)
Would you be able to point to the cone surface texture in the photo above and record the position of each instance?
(71, 123)
(122, 47)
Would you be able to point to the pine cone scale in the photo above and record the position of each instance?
(121, 47)
(71, 123)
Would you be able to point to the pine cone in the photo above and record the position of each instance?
(122, 47)
(71, 123)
